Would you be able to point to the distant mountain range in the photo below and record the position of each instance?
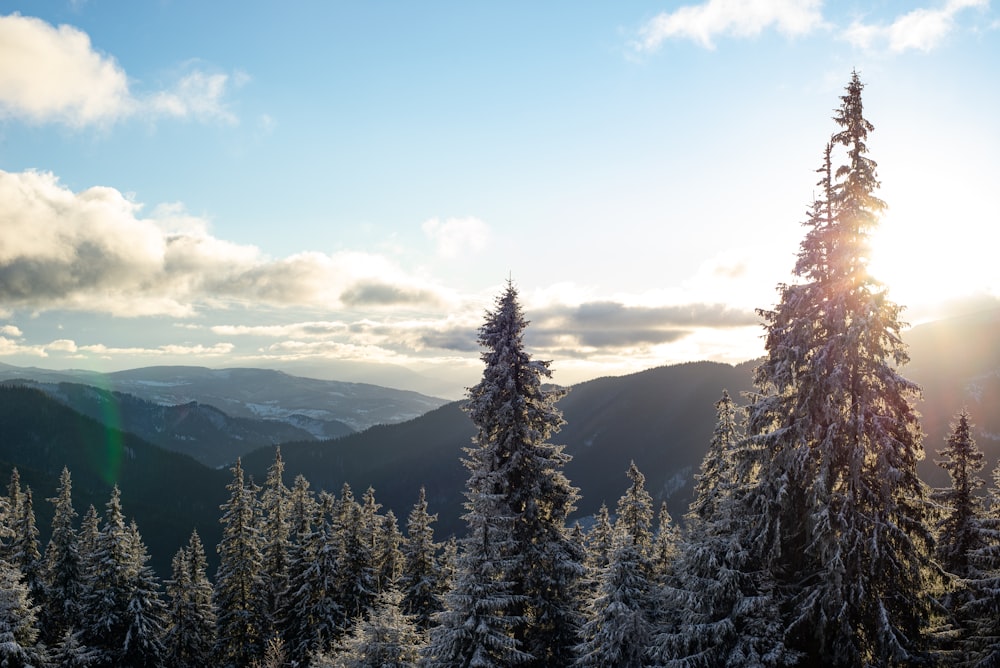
(661, 418)
(202, 431)
(218, 415)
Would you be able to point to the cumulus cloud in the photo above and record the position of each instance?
(94, 251)
(457, 236)
(52, 74)
(920, 29)
(737, 18)
(12, 331)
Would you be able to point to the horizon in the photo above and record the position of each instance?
(353, 197)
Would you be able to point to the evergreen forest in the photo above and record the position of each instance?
(810, 541)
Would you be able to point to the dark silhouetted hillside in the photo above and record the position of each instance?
(168, 494)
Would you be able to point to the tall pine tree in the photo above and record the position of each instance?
(840, 507)
(523, 473)
(61, 568)
(239, 592)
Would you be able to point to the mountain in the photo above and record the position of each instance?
(957, 363)
(199, 430)
(661, 418)
(167, 493)
(251, 393)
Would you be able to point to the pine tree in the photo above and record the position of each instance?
(145, 613)
(980, 612)
(276, 541)
(12, 506)
(664, 544)
(387, 639)
(24, 548)
(635, 513)
(717, 605)
(109, 580)
(959, 531)
(18, 622)
(61, 568)
(313, 618)
(388, 552)
(353, 535)
(515, 416)
(717, 474)
(239, 588)
(599, 540)
(420, 580)
(475, 627)
(840, 508)
(620, 624)
(70, 652)
(190, 637)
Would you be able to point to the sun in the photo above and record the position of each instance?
(925, 263)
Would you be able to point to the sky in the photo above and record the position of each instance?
(342, 189)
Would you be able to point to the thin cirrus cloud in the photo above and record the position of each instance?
(52, 74)
(920, 29)
(94, 251)
(737, 18)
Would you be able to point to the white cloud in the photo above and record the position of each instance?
(920, 29)
(53, 74)
(63, 345)
(456, 237)
(197, 95)
(737, 18)
(93, 251)
(11, 331)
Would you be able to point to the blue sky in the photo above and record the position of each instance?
(339, 188)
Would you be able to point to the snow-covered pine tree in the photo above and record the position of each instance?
(635, 513)
(448, 565)
(24, 548)
(313, 618)
(980, 614)
(716, 477)
(841, 507)
(388, 638)
(959, 531)
(353, 534)
(420, 579)
(599, 539)
(239, 591)
(474, 629)
(61, 568)
(619, 624)
(275, 532)
(515, 416)
(145, 613)
(70, 652)
(19, 646)
(109, 576)
(388, 552)
(190, 637)
(716, 608)
(665, 543)
(11, 506)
